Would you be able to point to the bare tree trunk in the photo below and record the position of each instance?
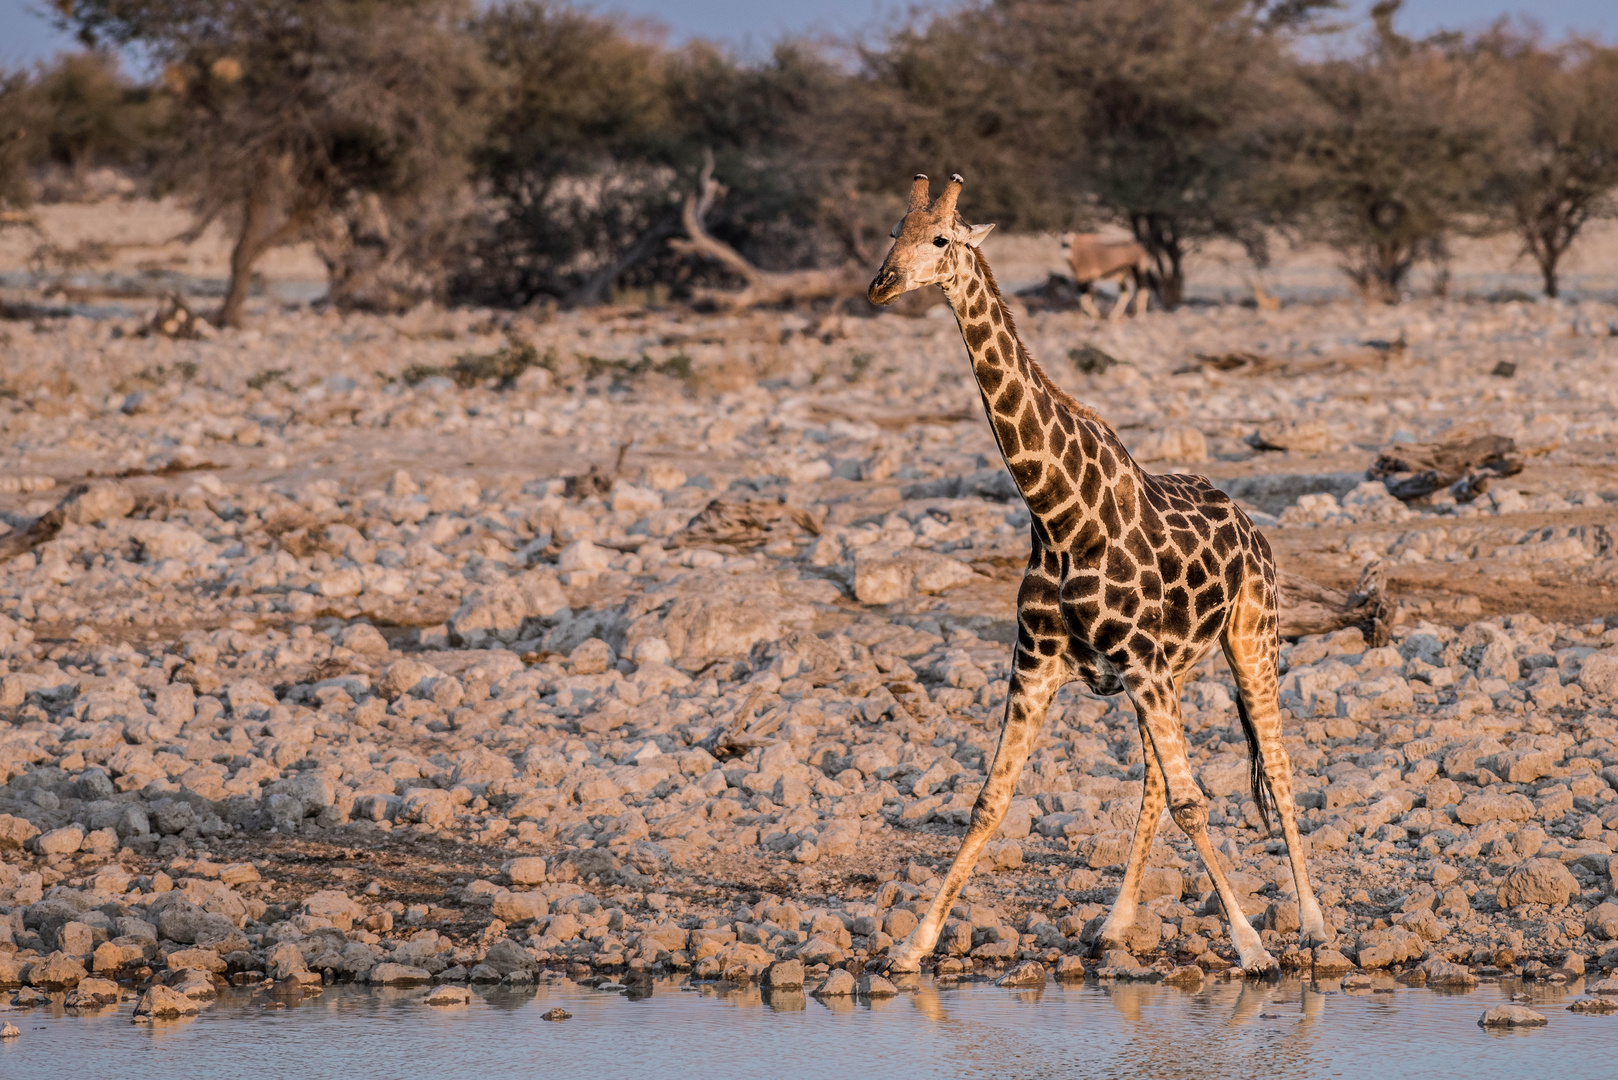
(1547, 249)
(763, 286)
(1547, 271)
(1162, 242)
(249, 246)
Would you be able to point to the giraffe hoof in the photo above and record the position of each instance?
(901, 963)
(1111, 937)
(1262, 964)
(1101, 946)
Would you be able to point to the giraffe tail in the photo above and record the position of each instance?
(1263, 797)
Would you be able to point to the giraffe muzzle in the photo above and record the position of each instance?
(884, 288)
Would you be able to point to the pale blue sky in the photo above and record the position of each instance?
(751, 25)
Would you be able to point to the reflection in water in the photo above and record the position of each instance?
(1222, 1029)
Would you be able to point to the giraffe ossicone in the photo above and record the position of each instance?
(1132, 579)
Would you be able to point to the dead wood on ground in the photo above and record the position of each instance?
(1307, 607)
(745, 523)
(1463, 461)
(44, 528)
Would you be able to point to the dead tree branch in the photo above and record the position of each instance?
(44, 529)
(763, 287)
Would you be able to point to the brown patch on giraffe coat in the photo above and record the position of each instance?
(1010, 399)
(1029, 428)
(1027, 472)
(1107, 513)
(1006, 432)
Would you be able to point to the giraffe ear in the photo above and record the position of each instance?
(976, 233)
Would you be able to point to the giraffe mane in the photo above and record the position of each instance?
(1063, 398)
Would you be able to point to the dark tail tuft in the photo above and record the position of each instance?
(1262, 796)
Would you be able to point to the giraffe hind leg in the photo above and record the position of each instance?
(1156, 698)
(1252, 656)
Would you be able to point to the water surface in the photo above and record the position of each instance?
(1288, 1029)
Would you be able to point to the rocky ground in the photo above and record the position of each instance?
(384, 649)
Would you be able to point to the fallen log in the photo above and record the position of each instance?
(1464, 461)
(737, 735)
(43, 529)
(744, 523)
(1308, 607)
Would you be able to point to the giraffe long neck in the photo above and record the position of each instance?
(1046, 437)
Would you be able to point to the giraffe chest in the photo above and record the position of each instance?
(1128, 598)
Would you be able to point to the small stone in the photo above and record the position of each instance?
(884, 573)
(1185, 975)
(196, 959)
(592, 657)
(63, 841)
(784, 975)
(1600, 1006)
(1441, 972)
(557, 1014)
(58, 971)
(364, 639)
(877, 987)
(527, 870)
(399, 975)
(1070, 969)
(1296, 959)
(1002, 855)
(839, 983)
(101, 991)
(1173, 443)
(10, 1031)
(161, 1001)
(1331, 962)
(1511, 1016)
(1028, 975)
(448, 995)
(103, 500)
(1536, 881)
(238, 873)
(1356, 981)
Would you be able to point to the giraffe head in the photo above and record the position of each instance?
(929, 244)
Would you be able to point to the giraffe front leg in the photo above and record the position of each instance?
(1034, 682)
(1114, 931)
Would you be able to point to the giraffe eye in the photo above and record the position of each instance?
(940, 241)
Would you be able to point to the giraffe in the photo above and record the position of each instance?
(1132, 579)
